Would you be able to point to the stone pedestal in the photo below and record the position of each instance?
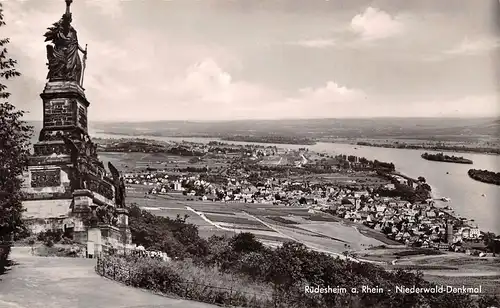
(123, 225)
(94, 241)
(64, 160)
(115, 238)
(64, 113)
(82, 201)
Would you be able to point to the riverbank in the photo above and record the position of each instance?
(271, 139)
(376, 143)
(432, 195)
(397, 145)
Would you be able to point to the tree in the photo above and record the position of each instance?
(246, 242)
(14, 150)
(492, 242)
(173, 236)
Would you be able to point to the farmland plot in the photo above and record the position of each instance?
(346, 233)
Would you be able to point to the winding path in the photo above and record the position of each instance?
(43, 282)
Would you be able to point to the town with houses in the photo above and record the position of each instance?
(249, 178)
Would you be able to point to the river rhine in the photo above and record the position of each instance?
(469, 198)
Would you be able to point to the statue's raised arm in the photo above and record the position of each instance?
(63, 59)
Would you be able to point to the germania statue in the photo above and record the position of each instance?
(63, 59)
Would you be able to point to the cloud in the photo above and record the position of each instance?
(474, 47)
(330, 93)
(207, 82)
(136, 70)
(110, 8)
(330, 100)
(204, 90)
(317, 43)
(375, 24)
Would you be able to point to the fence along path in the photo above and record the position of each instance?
(125, 274)
(41, 282)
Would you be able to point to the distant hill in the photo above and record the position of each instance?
(343, 128)
(415, 128)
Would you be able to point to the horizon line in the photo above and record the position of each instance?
(289, 119)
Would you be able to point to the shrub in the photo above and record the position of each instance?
(240, 271)
(4, 257)
(174, 236)
(50, 237)
(185, 279)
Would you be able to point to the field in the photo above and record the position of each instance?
(208, 231)
(468, 271)
(282, 220)
(133, 162)
(349, 234)
(441, 267)
(232, 219)
(273, 160)
(269, 223)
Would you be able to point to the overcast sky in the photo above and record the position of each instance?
(211, 60)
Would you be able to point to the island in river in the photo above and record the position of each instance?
(485, 176)
(270, 139)
(446, 158)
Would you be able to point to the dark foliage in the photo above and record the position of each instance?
(50, 237)
(492, 242)
(446, 158)
(14, 142)
(4, 257)
(485, 176)
(173, 236)
(271, 139)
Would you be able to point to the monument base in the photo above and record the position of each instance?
(72, 216)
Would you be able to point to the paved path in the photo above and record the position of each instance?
(39, 282)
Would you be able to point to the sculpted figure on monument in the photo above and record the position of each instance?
(63, 59)
(107, 215)
(78, 178)
(119, 184)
